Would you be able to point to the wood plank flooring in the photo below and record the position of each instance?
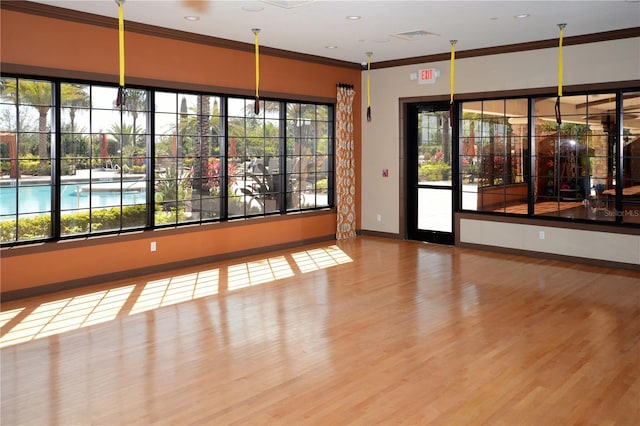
(369, 331)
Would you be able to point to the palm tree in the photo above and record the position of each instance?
(182, 125)
(74, 96)
(124, 137)
(136, 101)
(203, 133)
(37, 94)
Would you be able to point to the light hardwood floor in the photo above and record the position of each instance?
(368, 331)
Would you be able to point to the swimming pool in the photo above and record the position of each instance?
(33, 200)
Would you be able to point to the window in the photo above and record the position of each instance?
(254, 157)
(574, 162)
(309, 160)
(630, 192)
(188, 137)
(493, 140)
(585, 168)
(164, 158)
(103, 159)
(26, 187)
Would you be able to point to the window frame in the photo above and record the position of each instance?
(150, 161)
(530, 155)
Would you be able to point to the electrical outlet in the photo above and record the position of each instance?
(541, 235)
(153, 246)
(379, 217)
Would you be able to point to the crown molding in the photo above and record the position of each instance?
(55, 12)
(513, 48)
(136, 27)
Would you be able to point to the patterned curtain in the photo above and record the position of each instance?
(345, 168)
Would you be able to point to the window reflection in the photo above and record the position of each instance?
(573, 166)
(493, 139)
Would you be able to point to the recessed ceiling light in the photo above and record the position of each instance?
(522, 16)
(353, 17)
(192, 18)
(331, 46)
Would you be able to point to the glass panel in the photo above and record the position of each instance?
(434, 148)
(631, 158)
(103, 171)
(25, 157)
(574, 162)
(493, 143)
(434, 207)
(188, 176)
(309, 156)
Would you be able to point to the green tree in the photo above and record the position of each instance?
(136, 101)
(37, 94)
(124, 140)
(74, 96)
(203, 133)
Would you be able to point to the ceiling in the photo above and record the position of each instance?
(321, 27)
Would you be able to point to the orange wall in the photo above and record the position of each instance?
(36, 41)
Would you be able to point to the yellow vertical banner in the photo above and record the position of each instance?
(369, 85)
(121, 39)
(560, 59)
(256, 107)
(121, 98)
(452, 77)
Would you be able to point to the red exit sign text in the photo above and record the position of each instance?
(428, 75)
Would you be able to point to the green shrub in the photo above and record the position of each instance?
(322, 185)
(29, 228)
(29, 165)
(38, 227)
(434, 172)
(139, 169)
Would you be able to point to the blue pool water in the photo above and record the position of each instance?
(37, 199)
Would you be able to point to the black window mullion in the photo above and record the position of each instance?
(530, 159)
(56, 162)
(282, 160)
(122, 144)
(331, 152)
(224, 161)
(150, 160)
(618, 159)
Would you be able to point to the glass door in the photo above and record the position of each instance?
(430, 173)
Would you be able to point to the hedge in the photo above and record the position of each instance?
(38, 227)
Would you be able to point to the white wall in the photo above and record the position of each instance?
(567, 242)
(583, 64)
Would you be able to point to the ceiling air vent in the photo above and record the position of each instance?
(288, 4)
(415, 35)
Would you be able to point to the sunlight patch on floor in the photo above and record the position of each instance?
(71, 313)
(321, 258)
(258, 272)
(7, 316)
(68, 314)
(172, 290)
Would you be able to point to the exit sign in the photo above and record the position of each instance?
(428, 75)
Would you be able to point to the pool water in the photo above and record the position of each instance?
(35, 200)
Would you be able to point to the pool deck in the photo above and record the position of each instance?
(125, 186)
(98, 178)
